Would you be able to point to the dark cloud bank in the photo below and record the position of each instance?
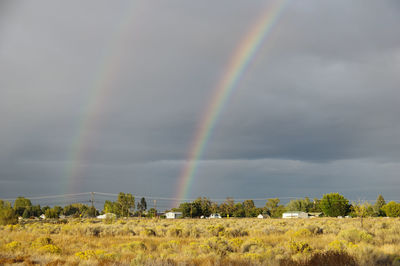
(316, 112)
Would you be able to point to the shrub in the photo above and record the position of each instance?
(13, 245)
(135, 245)
(315, 229)
(355, 235)
(50, 249)
(85, 255)
(148, 232)
(216, 230)
(331, 258)
(396, 261)
(174, 232)
(237, 232)
(340, 245)
(219, 245)
(42, 241)
(302, 233)
(299, 247)
(236, 243)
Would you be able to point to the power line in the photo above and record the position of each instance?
(104, 194)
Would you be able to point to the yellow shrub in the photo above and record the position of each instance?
(13, 245)
(50, 249)
(355, 235)
(302, 233)
(236, 243)
(299, 247)
(42, 241)
(135, 245)
(85, 255)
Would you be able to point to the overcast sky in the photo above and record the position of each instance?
(317, 110)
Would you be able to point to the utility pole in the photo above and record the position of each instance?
(155, 206)
(92, 198)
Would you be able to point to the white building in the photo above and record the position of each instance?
(173, 215)
(215, 216)
(260, 216)
(295, 215)
(107, 216)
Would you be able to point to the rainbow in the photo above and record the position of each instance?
(99, 91)
(241, 59)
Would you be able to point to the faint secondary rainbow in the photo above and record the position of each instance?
(93, 110)
(240, 60)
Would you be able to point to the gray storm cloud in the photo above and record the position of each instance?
(315, 112)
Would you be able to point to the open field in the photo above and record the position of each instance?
(203, 242)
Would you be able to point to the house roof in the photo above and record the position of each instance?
(174, 212)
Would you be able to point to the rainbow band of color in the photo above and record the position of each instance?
(241, 59)
(99, 92)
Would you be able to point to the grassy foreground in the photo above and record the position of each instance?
(325, 241)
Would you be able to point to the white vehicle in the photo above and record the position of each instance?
(215, 216)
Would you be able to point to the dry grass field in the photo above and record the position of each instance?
(319, 241)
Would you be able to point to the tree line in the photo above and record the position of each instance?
(330, 205)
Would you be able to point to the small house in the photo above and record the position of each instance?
(215, 216)
(173, 215)
(260, 216)
(107, 216)
(314, 214)
(296, 214)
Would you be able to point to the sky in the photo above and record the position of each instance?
(107, 96)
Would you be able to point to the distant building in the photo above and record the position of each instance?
(215, 216)
(173, 215)
(107, 216)
(314, 214)
(262, 216)
(297, 214)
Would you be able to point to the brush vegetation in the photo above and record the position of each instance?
(233, 241)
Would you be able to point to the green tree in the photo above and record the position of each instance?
(228, 207)
(90, 212)
(304, 205)
(273, 208)
(71, 210)
(152, 213)
(126, 204)
(142, 206)
(26, 214)
(214, 208)
(334, 205)
(392, 209)
(51, 213)
(7, 214)
(186, 208)
(21, 204)
(201, 207)
(362, 210)
(250, 208)
(36, 211)
(380, 202)
(111, 207)
(238, 210)
(315, 207)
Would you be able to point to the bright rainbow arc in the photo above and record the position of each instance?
(99, 92)
(241, 59)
